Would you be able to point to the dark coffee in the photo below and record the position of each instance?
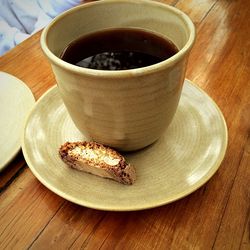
(118, 49)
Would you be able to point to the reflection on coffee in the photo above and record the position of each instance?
(118, 49)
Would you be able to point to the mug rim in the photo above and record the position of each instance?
(120, 73)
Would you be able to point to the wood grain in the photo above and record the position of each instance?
(26, 207)
(217, 216)
(69, 224)
(196, 9)
(245, 242)
(236, 215)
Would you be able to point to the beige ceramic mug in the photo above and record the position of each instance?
(127, 109)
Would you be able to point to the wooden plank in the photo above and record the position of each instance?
(70, 223)
(235, 220)
(219, 49)
(136, 230)
(196, 9)
(245, 243)
(26, 207)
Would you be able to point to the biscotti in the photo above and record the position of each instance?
(97, 159)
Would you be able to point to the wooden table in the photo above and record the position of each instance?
(217, 216)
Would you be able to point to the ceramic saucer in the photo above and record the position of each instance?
(181, 161)
(16, 100)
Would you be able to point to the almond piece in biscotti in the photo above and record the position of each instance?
(97, 159)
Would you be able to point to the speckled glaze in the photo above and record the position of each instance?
(127, 109)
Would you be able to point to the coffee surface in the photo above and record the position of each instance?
(118, 49)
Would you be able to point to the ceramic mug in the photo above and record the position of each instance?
(125, 109)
